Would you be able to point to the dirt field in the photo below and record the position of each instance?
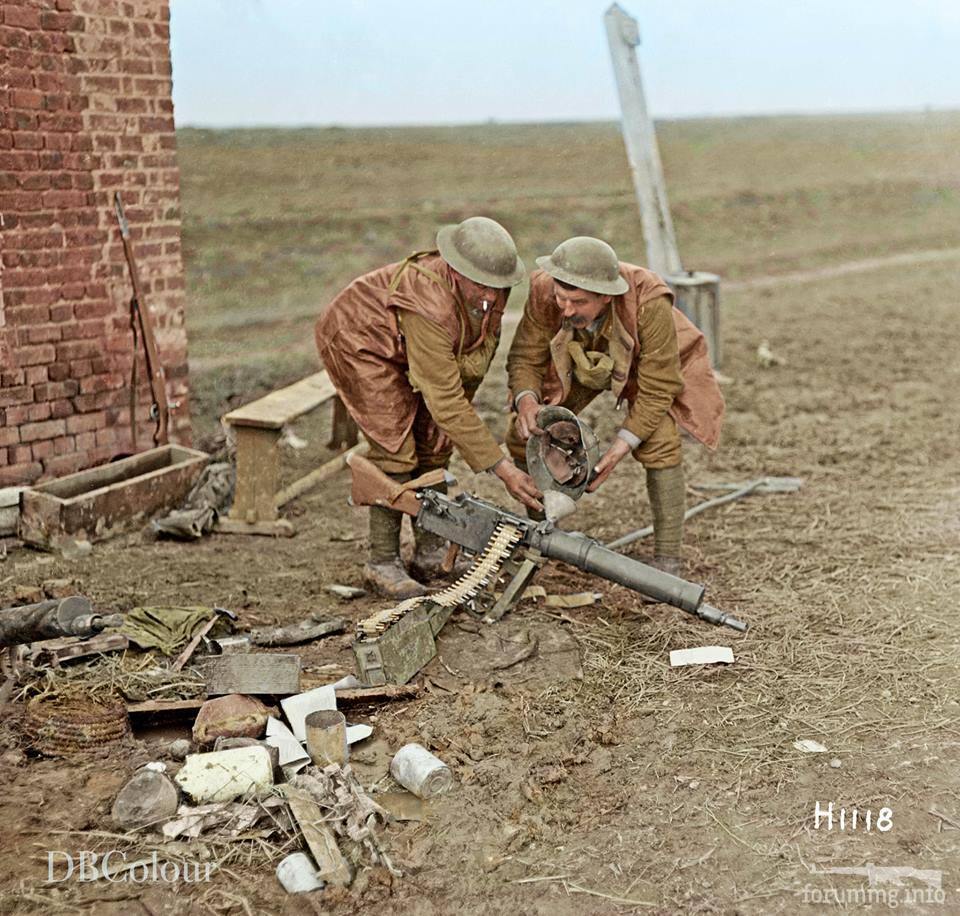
(594, 778)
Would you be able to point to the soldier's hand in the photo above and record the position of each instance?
(519, 484)
(527, 410)
(610, 459)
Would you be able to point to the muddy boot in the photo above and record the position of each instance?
(666, 489)
(431, 550)
(390, 580)
(384, 572)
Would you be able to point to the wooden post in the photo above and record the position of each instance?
(663, 257)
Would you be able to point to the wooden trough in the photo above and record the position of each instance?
(91, 505)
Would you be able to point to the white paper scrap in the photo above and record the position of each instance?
(809, 747)
(280, 737)
(357, 733)
(702, 655)
(299, 706)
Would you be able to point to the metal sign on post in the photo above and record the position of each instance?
(698, 293)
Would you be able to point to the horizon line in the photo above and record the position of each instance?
(510, 122)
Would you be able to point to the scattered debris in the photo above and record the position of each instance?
(527, 650)
(252, 673)
(332, 868)
(347, 592)
(226, 775)
(766, 358)
(191, 646)
(326, 736)
(702, 655)
(148, 799)
(167, 628)
(51, 653)
(208, 499)
(178, 748)
(809, 746)
(305, 631)
(578, 599)
(297, 708)
(416, 769)
(232, 716)
(60, 726)
(292, 755)
(835, 763)
(228, 819)
(298, 874)
(351, 696)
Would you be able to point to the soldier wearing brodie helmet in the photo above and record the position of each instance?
(406, 347)
(593, 323)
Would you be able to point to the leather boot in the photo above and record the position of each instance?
(390, 580)
(384, 572)
(667, 492)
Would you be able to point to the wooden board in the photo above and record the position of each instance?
(331, 865)
(253, 673)
(281, 407)
(94, 504)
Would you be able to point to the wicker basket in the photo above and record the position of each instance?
(61, 726)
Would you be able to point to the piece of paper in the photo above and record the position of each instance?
(357, 733)
(299, 706)
(809, 746)
(702, 655)
(291, 751)
(578, 599)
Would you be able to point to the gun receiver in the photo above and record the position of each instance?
(471, 522)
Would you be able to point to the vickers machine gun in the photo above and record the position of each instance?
(394, 644)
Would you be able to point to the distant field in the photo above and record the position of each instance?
(276, 221)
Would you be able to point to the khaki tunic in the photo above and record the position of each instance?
(660, 360)
(406, 357)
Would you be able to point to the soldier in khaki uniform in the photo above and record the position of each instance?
(593, 323)
(406, 347)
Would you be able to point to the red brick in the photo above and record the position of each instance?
(22, 394)
(32, 356)
(9, 435)
(19, 474)
(57, 372)
(61, 408)
(76, 350)
(41, 450)
(23, 140)
(85, 422)
(20, 453)
(21, 17)
(85, 442)
(80, 368)
(32, 432)
(47, 333)
(61, 312)
(36, 375)
(36, 413)
(26, 98)
(53, 390)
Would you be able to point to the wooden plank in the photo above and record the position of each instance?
(641, 142)
(166, 708)
(257, 466)
(280, 407)
(278, 528)
(253, 673)
(331, 865)
(352, 696)
(306, 483)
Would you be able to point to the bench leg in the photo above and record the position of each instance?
(254, 510)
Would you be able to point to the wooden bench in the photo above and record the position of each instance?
(258, 427)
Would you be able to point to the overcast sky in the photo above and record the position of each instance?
(352, 62)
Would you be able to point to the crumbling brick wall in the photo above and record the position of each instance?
(85, 103)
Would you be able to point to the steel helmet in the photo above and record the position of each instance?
(483, 251)
(564, 458)
(586, 263)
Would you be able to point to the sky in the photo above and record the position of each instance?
(401, 62)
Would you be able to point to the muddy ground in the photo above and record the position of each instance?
(593, 778)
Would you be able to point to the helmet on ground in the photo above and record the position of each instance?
(483, 251)
(586, 263)
(564, 458)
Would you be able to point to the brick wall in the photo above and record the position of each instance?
(85, 110)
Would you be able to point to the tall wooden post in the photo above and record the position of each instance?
(641, 141)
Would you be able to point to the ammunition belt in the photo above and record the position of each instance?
(485, 567)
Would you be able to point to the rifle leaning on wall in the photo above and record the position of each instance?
(141, 327)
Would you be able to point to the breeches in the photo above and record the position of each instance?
(418, 452)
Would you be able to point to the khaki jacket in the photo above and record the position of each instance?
(656, 368)
(360, 342)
